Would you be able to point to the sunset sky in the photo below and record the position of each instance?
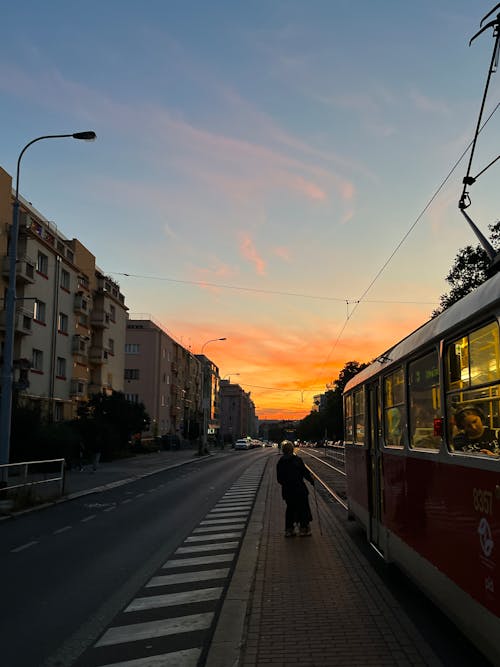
(257, 165)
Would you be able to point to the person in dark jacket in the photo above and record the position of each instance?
(291, 473)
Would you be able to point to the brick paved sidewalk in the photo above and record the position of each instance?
(316, 602)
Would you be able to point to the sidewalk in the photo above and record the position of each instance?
(309, 601)
(121, 471)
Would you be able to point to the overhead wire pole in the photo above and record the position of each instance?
(469, 180)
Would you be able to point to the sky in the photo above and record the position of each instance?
(262, 170)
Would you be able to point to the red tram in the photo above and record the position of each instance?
(422, 427)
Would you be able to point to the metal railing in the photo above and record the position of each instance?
(19, 478)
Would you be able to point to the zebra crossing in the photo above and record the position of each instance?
(170, 622)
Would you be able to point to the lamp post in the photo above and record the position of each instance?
(10, 309)
(207, 394)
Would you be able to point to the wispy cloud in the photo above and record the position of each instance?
(248, 251)
(428, 104)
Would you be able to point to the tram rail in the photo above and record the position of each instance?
(328, 476)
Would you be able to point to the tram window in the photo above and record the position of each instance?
(359, 417)
(394, 408)
(473, 395)
(349, 437)
(424, 401)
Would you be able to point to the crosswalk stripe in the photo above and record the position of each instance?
(185, 658)
(187, 577)
(199, 548)
(211, 522)
(172, 599)
(211, 529)
(200, 560)
(212, 536)
(152, 629)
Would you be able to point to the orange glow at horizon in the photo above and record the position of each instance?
(284, 369)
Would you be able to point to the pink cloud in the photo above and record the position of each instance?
(249, 252)
(283, 253)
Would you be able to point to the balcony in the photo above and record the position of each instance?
(77, 388)
(81, 304)
(99, 319)
(80, 346)
(23, 320)
(25, 269)
(98, 356)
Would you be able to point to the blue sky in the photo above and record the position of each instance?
(281, 147)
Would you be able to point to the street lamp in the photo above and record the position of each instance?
(228, 375)
(10, 308)
(207, 394)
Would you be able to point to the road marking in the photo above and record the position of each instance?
(153, 629)
(89, 518)
(211, 529)
(172, 599)
(62, 530)
(209, 522)
(187, 577)
(186, 658)
(110, 509)
(213, 536)
(200, 560)
(139, 495)
(24, 546)
(128, 500)
(199, 548)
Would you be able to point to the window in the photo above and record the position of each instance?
(112, 313)
(131, 374)
(349, 433)
(424, 401)
(37, 360)
(133, 398)
(42, 264)
(65, 279)
(61, 367)
(111, 346)
(359, 417)
(131, 348)
(39, 311)
(62, 323)
(472, 370)
(58, 412)
(394, 408)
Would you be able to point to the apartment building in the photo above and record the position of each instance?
(165, 376)
(70, 318)
(210, 399)
(237, 412)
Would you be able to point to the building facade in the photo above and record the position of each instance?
(70, 319)
(166, 377)
(238, 418)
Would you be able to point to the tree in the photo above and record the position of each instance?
(470, 269)
(112, 420)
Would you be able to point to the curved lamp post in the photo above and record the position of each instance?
(10, 308)
(205, 397)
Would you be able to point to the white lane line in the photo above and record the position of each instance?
(186, 658)
(231, 508)
(89, 518)
(212, 529)
(223, 512)
(153, 629)
(139, 495)
(200, 548)
(23, 547)
(200, 560)
(62, 530)
(110, 509)
(128, 500)
(188, 577)
(172, 599)
(228, 515)
(213, 536)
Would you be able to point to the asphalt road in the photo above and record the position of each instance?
(68, 570)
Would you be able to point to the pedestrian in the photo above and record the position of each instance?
(291, 473)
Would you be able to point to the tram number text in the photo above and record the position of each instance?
(483, 501)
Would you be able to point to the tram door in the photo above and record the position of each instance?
(374, 464)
